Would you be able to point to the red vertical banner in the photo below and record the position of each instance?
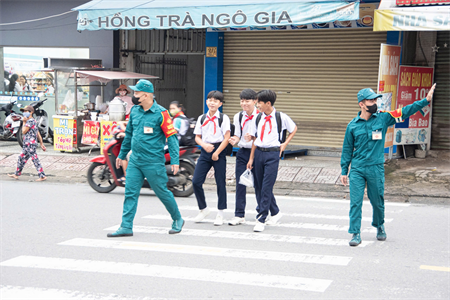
(91, 130)
(414, 84)
(388, 71)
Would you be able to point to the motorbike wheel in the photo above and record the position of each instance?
(50, 136)
(100, 178)
(19, 136)
(187, 189)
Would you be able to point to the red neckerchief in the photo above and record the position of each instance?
(178, 114)
(210, 119)
(267, 118)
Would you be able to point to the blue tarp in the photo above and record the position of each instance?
(165, 14)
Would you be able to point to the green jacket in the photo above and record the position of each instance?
(148, 147)
(359, 149)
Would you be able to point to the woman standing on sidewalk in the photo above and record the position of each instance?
(31, 134)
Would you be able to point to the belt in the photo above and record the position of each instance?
(271, 149)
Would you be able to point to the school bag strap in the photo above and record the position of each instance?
(279, 125)
(241, 115)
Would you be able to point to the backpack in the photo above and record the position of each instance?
(281, 135)
(188, 139)
(229, 148)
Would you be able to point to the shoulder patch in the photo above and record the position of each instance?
(167, 124)
(396, 114)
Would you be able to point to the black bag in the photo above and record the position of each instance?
(229, 148)
(188, 139)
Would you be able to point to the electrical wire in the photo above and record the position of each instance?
(35, 20)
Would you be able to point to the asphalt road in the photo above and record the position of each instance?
(54, 246)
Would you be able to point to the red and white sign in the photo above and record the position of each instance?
(91, 131)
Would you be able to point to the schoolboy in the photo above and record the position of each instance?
(266, 152)
(212, 133)
(242, 128)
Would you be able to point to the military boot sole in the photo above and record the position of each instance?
(354, 244)
(381, 238)
(119, 235)
(171, 231)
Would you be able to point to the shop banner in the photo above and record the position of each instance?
(389, 17)
(388, 80)
(366, 13)
(158, 15)
(107, 128)
(91, 130)
(414, 84)
(64, 134)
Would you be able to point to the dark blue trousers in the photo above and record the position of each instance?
(242, 158)
(265, 167)
(204, 164)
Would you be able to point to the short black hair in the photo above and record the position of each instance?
(216, 95)
(248, 94)
(266, 96)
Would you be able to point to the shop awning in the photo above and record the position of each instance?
(107, 76)
(389, 17)
(163, 14)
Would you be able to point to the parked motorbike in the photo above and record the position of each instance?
(13, 122)
(103, 176)
(42, 122)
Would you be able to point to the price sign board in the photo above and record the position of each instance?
(414, 84)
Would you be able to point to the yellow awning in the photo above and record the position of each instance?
(389, 17)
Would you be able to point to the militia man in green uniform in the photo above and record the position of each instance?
(146, 133)
(364, 149)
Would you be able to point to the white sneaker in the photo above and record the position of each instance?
(236, 221)
(274, 219)
(218, 221)
(259, 227)
(202, 215)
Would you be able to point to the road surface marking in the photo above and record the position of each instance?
(212, 251)
(329, 200)
(137, 269)
(20, 292)
(253, 236)
(312, 216)
(284, 225)
(433, 268)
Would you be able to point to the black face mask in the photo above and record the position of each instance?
(135, 100)
(372, 109)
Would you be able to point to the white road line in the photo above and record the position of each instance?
(284, 225)
(19, 292)
(298, 215)
(329, 200)
(112, 267)
(211, 251)
(253, 236)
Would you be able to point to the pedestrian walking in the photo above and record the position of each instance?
(268, 130)
(242, 128)
(146, 133)
(363, 148)
(30, 137)
(212, 134)
(180, 121)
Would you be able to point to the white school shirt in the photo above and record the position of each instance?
(272, 139)
(207, 131)
(247, 128)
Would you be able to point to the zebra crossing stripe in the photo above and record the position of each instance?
(211, 251)
(252, 236)
(297, 215)
(160, 271)
(19, 292)
(331, 227)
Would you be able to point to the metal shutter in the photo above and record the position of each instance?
(316, 74)
(440, 128)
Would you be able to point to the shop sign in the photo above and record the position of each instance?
(365, 20)
(91, 131)
(414, 84)
(218, 16)
(388, 79)
(211, 51)
(64, 134)
(107, 128)
(413, 18)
